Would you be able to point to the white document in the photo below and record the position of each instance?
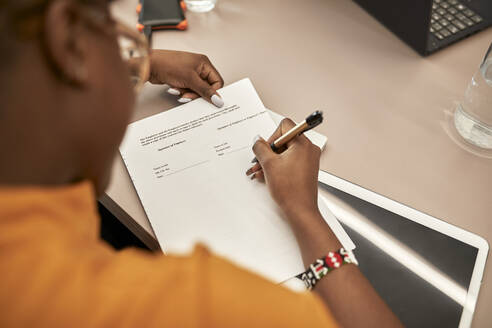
(188, 166)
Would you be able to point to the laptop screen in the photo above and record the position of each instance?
(422, 274)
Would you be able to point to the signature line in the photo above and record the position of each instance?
(188, 167)
(235, 150)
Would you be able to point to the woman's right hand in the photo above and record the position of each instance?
(291, 176)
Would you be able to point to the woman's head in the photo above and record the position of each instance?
(64, 79)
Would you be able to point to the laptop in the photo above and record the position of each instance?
(430, 25)
(428, 271)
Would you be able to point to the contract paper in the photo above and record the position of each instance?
(188, 166)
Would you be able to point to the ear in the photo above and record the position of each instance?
(63, 41)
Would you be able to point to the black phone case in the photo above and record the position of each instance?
(161, 14)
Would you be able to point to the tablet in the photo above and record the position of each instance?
(428, 271)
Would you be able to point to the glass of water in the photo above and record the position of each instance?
(200, 6)
(473, 116)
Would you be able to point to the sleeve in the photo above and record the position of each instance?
(98, 287)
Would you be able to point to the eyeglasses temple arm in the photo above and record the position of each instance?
(147, 31)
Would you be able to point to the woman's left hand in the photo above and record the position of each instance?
(188, 75)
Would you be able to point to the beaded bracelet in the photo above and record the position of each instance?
(321, 267)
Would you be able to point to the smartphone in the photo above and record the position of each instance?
(161, 14)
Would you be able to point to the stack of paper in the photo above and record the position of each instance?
(188, 166)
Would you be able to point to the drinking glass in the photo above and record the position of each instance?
(473, 116)
(200, 6)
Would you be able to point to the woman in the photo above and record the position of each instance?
(67, 100)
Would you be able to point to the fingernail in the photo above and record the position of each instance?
(256, 138)
(174, 92)
(184, 100)
(165, 85)
(217, 101)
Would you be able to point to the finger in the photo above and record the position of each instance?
(211, 75)
(188, 96)
(175, 91)
(285, 125)
(253, 169)
(262, 150)
(185, 95)
(299, 142)
(205, 90)
(300, 139)
(259, 175)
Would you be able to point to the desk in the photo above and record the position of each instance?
(386, 107)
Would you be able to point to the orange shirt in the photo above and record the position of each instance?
(56, 272)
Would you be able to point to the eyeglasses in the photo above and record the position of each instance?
(133, 46)
(135, 53)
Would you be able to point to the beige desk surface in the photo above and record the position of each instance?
(387, 109)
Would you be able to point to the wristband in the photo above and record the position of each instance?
(321, 267)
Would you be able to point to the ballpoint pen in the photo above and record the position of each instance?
(310, 122)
